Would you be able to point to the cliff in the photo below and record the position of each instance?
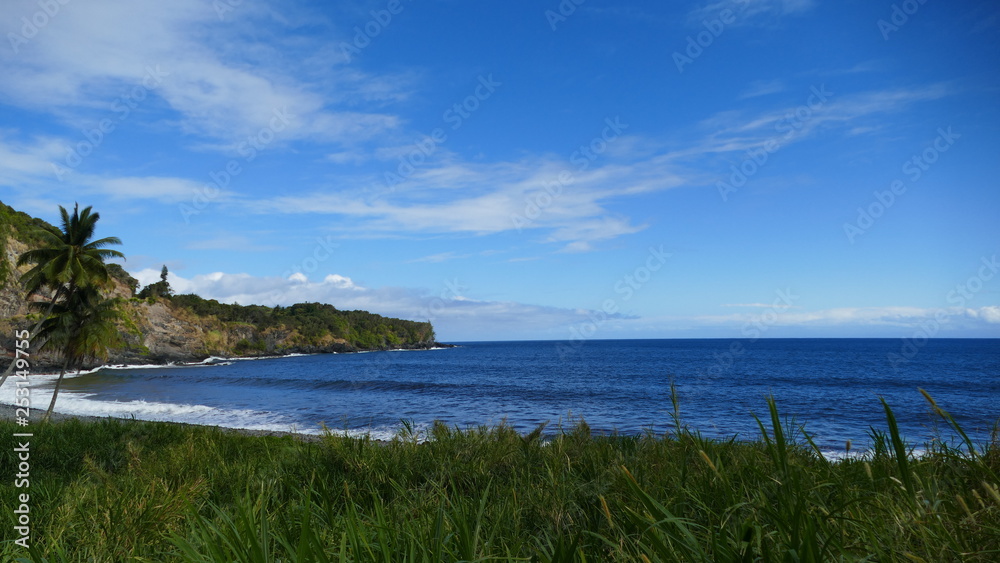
(187, 328)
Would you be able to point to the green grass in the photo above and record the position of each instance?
(139, 491)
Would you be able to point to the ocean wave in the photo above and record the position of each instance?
(82, 404)
(274, 357)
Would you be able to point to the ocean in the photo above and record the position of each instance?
(830, 386)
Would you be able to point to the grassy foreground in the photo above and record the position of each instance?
(138, 491)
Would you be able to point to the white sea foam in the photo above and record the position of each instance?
(417, 349)
(207, 362)
(275, 357)
(841, 455)
(134, 366)
(82, 404)
(383, 433)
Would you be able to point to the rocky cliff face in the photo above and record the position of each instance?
(12, 303)
(160, 332)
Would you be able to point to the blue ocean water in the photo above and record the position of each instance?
(832, 386)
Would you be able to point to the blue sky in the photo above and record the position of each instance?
(530, 170)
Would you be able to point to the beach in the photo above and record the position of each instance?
(7, 413)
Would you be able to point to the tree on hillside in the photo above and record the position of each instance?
(159, 289)
(67, 260)
(83, 325)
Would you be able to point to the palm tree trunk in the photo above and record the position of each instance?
(55, 392)
(31, 335)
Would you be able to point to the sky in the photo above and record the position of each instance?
(516, 170)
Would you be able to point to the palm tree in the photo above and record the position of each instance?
(68, 260)
(81, 326)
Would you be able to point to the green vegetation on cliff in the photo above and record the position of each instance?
(19, 226)
(316, 323)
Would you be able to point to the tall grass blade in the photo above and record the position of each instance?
(902, 455)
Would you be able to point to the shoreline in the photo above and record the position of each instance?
(218, 360)
(7, 413)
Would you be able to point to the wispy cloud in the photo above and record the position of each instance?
(750, 11)
(438, 258)
(452, 195)
(755, 305)
(900, 317)
(230, 242)
(759, 88)
(215, 82)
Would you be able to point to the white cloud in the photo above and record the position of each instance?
(213, 80)
(341, 282)
(858, 317)
(989, 314)
(30, 166)
(476, 198)
(163, 189)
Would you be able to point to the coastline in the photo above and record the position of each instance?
(7, 410)
(46, 368)
(7, 413)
